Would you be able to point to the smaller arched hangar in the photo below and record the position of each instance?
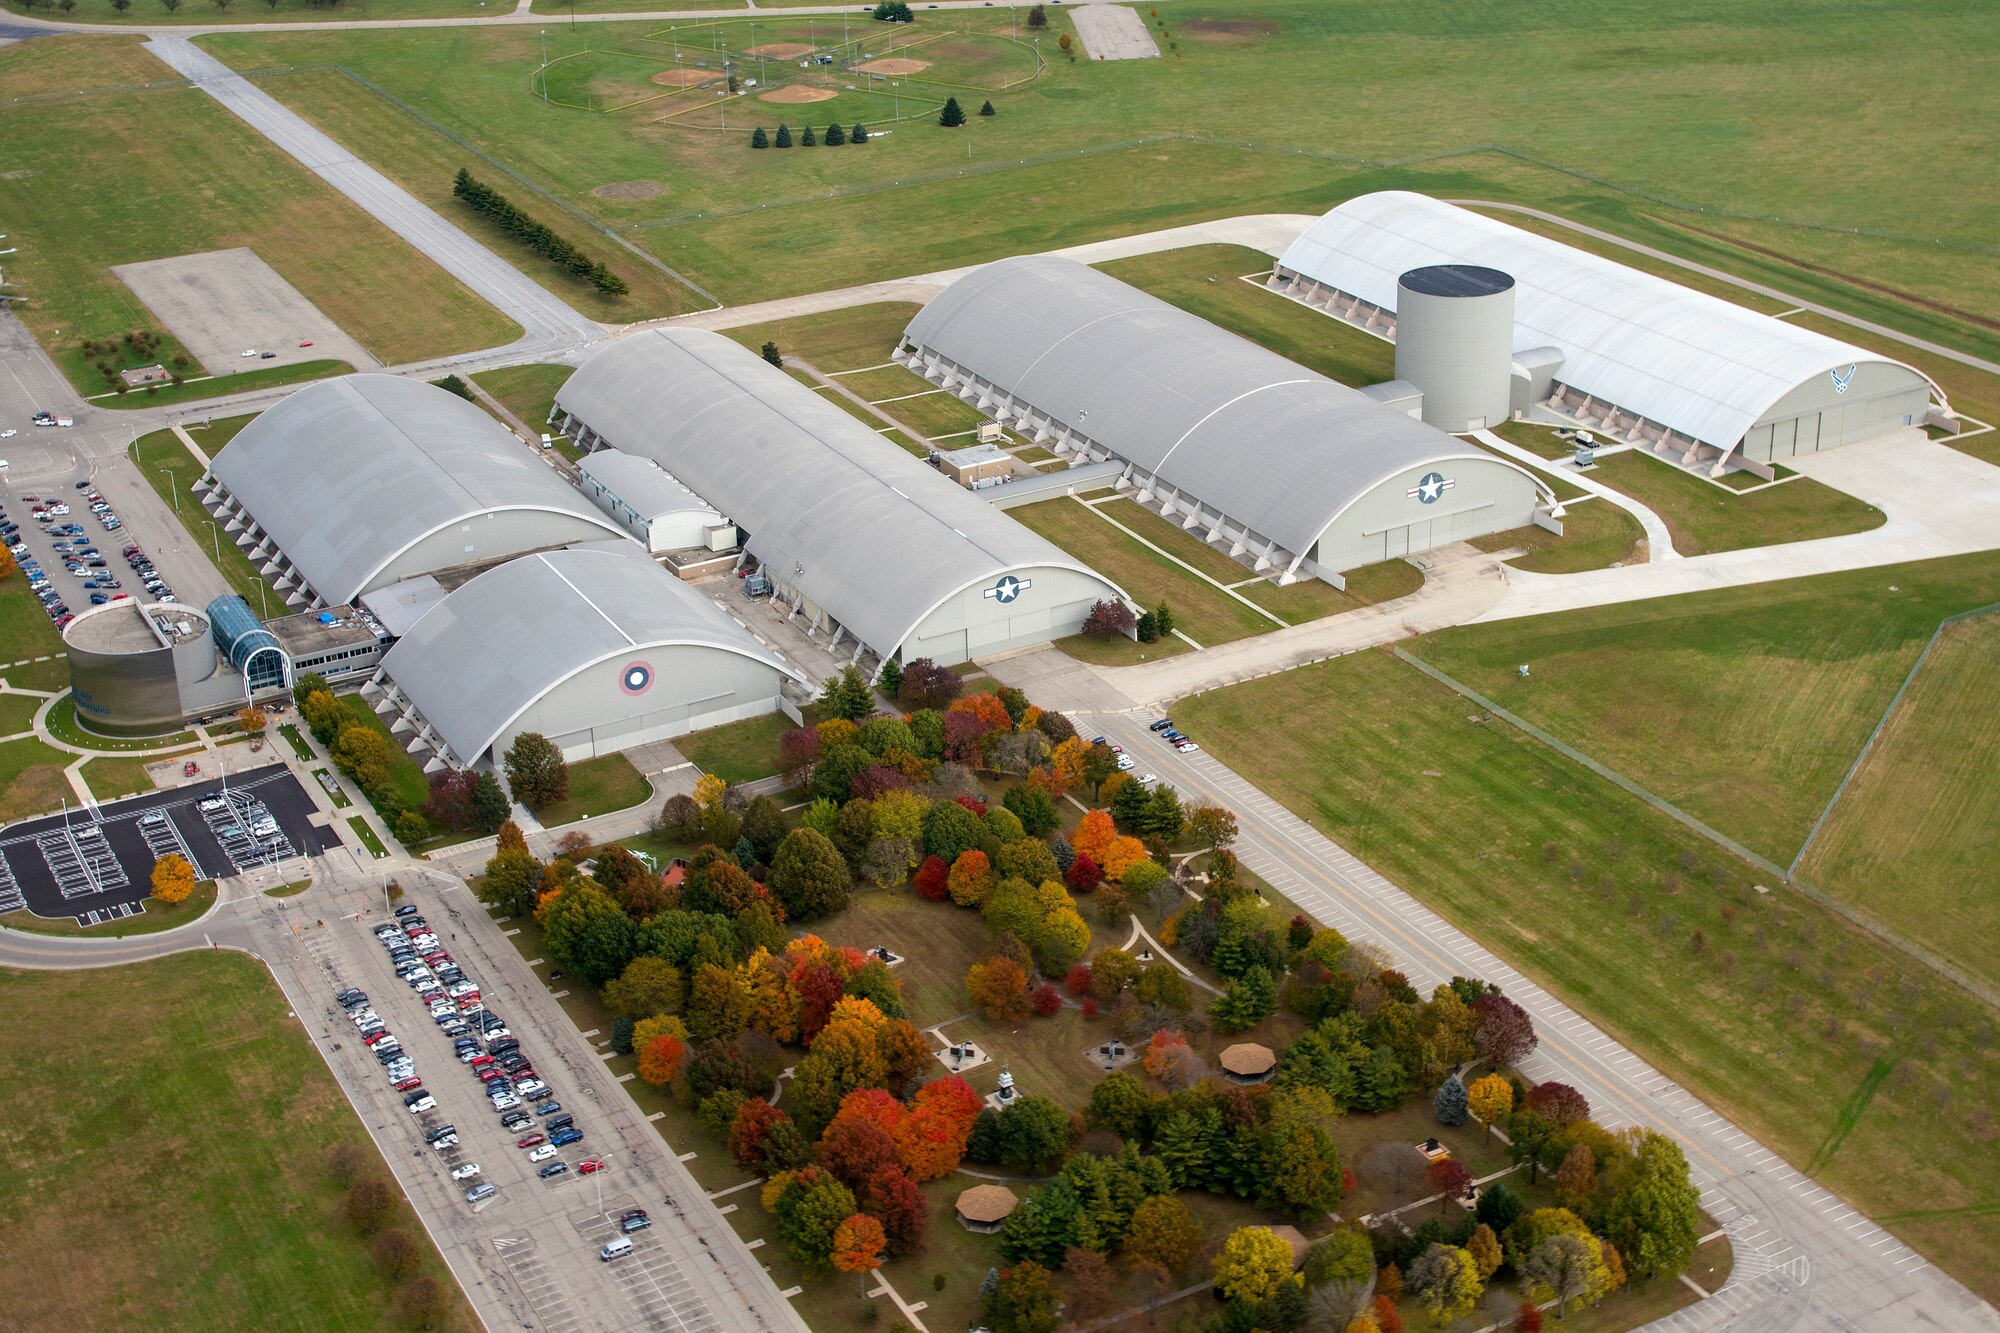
(597, 649)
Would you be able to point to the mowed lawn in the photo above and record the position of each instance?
(1596, 535)
(171, 470)
(598, 787)
(737, 751)
(120, 177)
(1915, 838)
(856, 338)
(1704, 519)
(1744, 706)
(1771, 1008)
(529, 392)
(1084, 151)
(171, 1173)
(1202, 611)
(31, 779)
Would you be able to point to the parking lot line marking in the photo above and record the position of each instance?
(627, 1077)
(755, 1244)
(515, 931)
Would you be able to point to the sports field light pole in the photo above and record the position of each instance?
(545, 64)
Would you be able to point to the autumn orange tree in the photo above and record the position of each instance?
(660, 1059)
(857, 1247)
(173, 878)
(971, 878)
(251, 720)
(1094, 833)
(999, 988)
(932, 1137)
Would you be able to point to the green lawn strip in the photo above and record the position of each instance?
(598, 787)
(285, 11)
(256, 1234)
(529, 392)
(62, 725)
(31, 779)
(109, 778)
(406, 775)
(1203, 612)
(195, 390)
(25, 628)
(1913, 835)
(1310, 599)
(834, 340)
(1182, 543)
(124, 176)
(1204, 280)
(83, 63)
(1117, 650)
(1770, 1009)
(292, 890)
(1675, 693)
(1538, 438)
(171, 470)
(367, 836)
(888, 382)
(1705, 518)
(17, 712)
(157, 917)
(52, 675)
(296, 739)
(905, 443)
(737, 751)
(936, 414)
(338, 794)
(1596, 535)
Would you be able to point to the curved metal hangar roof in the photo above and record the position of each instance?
(486, 653)
(1279, 448)
(347, 475)
(877, 539)
(1702, 365)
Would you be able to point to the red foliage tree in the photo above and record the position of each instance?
(877, 780)
(961, 737)
(819, 988)
(1385, 1314)
(1558, 1103)
(746, 1133)
(1090, 1007)
(893, 1199)
(1078, 980)
(1448, 1176)
(1502, 1030)
(971, 803)
(871, 1106)
(932, 1137)
(798, 751)
(1083, 875)
(1529, 1320)
(925, 684)
(855, 1150)
(1048, 1001)
(931, 877)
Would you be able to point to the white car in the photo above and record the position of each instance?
(1187, 747)
(363, 1018)
(506, 1101)
(543, 1153)
(466, 1172)
(65, 423)
(533, 1087)
(1125, 764)
(422, 1104)
(448, 1141)
(8, 433)
(1148, 779)
(462, 989)
(250, 355)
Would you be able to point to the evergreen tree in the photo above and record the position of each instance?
(859, 134)
(1249, 1000)
(489, 803)
(759, 139)
(1148, 627)
(890, 678)
(986, 110)
(807, 140)
(1450, 1102)
(835, 136)
(784, 139)
(953, 114)
(1163, 619)
(771, 353)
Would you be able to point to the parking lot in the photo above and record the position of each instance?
(70, 551)
(99, 867)
(536, 1239)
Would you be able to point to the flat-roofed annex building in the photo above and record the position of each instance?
(1282, 467)
(353, 484)
(1633, 356)
(598, 649)
(866, 541)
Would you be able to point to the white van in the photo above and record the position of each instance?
(617, 1249)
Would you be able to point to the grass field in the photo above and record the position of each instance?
(194, 391)
(1595, 535)
(109, 777)
(1204, 280)
(31, 779)
(367, 836)
(63, 726)
(1916, 836)
(1769, 1007)
(285, 11)
(1433, 81)
(852, 339)
(171, 470)
(17, 712)
(25, 628)
(157, 917)
(1203, 612)
(1744, 706)
(598, 787)
(737, 751)
(223, 1221)
(113, 188)
(529, 392)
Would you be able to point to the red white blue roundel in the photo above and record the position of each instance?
(636, 678)
(1431, 487)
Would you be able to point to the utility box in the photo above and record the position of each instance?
(990, 432)
(757, 585)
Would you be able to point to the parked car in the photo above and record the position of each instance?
(553, 1169)
(531, 1140)
(480, 1192)
(465, 1172)
(542, 1153)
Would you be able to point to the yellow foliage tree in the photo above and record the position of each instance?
(835, 731)
(709, 791)
(1490, 1099)
(252, 720)
(173, 878)
(1066, 762)
(1254, 1264)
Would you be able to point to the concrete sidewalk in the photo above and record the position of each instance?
(1659, 541)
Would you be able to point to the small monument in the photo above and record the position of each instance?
(1006, 1086)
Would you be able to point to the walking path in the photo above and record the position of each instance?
(1659, 541)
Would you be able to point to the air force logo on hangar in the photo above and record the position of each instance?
(1431, 487)
(1008, 588)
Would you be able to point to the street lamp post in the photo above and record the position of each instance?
(545, 64)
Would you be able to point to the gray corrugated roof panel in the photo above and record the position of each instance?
(1268, 442)
(642, 484)
(860, 527)
(347, 474)
(480, 657)
(1701, 365)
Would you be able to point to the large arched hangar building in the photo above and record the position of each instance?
(599, 649)
(1290, 471)
(353, 484)
(1631, 355)
(857, 535)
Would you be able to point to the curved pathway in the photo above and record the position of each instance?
(1659, 541)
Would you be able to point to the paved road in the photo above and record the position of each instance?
(548, 323)
(1805, 1260)
(528, 1258)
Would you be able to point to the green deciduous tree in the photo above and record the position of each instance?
(1651, 1209)
(809, 877)
(536, 771)
(510, 882)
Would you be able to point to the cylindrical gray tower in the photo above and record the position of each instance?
(1455, 341)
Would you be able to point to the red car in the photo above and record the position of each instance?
(374, 1037)
(531, 1140)
(481, 1061)
(190, 769)
(591, 1167)
(408, 1085)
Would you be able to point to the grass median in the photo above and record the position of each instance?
(172, 471)
(157, 917)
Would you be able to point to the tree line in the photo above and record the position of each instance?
(484, 199)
